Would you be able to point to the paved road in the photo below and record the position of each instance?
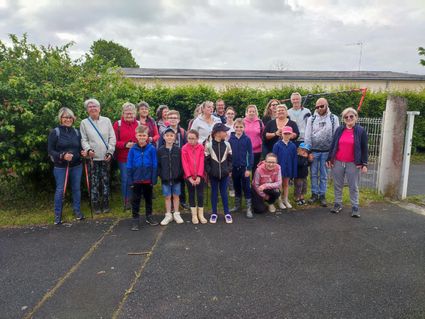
(416, 184)
(305, 264)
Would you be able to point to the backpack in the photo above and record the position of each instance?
(58, 133)
(332, 122)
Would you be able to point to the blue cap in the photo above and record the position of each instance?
(305, 146)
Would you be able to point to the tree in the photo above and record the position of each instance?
(110, 51)
(422, 52)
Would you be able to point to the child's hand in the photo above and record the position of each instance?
(247, 173)
(261, 188)
(310, 157)
(329, 164)
(198, 180)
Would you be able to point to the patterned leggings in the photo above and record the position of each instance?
(100, 188)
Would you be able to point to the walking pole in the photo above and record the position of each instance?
(64, 186)
(88, 186)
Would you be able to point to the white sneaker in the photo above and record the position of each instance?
(287, 204)
(178, 218)
(281, 204)
(232, 193)
(167, 219)
(272, 208)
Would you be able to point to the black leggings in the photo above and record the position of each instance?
(196, 191)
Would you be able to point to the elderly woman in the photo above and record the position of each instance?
(254, 130)
(347, 158)
(273, 130)
(161, 118)
(98, 140)
(270, 111)
(64, 148)
(125, 133)
(205, 122)
(146, 120)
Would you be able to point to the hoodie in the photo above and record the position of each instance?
(254, 130)
(193, 160)
(142, 164)
(319, 131)
(272, 179)
(241, 151)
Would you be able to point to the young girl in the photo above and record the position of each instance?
(286, 153)
(193, 168)
(218, 165)
(304, 160)
(242, 161)
(230, 116)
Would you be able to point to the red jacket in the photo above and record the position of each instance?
(126, 132)
(193, 158)
(271, 179)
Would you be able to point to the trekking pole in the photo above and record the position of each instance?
(88, 186)
(64, 186)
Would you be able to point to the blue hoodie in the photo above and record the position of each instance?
(142, 164)
(241, 151)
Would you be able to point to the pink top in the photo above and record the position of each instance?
(253, 129)
(193, 160)
(345, 152)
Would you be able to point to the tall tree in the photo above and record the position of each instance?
(422, 52)
(113, 52)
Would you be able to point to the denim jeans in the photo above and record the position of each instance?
(126, 190)
(319, 183)
(217, 184)
(74, 180)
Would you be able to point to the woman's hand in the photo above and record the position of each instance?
(279, 132)
(247, 173)
(108, 157)
(68, 157)
(83, 153)
(90, 153)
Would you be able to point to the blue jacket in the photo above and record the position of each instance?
(142, 164)
(241, 151)
(286, 158)
(360, 145)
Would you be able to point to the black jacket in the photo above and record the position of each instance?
(218, 159)
(360, 145)
(302, 166)
(170, 165)
(62, 140)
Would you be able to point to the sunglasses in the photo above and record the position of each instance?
(349, 117)
(320, 106)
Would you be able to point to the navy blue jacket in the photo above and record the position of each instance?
(241, 151)
(170, 165)
(360, 145)
(142, 164)
(286, 158)
(69, 141)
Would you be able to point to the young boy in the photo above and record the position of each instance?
(286, 152)
(304, 160)
(218, 165)
(173, 118)
(142, 175)
(242, 161)
(171, 173)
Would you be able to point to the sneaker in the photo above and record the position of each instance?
(228, 218)
(299, 202)
(336, 209)
(151, 221)
(280, 204)
(232, 193)
(58, 223)
(302, 201)
(178, 218)
(80, 218)
(322, 200)
(287, 204)
(167, 219)
(314, 198)
(213, 218)
(355, 212)
(272, 208)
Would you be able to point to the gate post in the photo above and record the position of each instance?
(391, 159)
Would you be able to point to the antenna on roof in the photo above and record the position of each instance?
(361, 51)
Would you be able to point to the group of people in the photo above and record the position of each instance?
(254, 158)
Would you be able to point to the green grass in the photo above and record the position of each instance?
(417, 158)
(22, 205)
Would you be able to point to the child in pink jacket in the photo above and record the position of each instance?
(193, 158)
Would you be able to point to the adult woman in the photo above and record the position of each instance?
(205, 121)
(64, 148)
(161, 118)
(98, 140)
(196, 113)
(273, 130)
(146, 120)
(125, 133)
(270, 111)
(254, 130)
(348, 157)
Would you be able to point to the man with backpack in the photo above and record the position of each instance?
(319, 132)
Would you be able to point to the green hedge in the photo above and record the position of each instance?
(36, 81)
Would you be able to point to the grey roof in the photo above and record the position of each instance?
(148, 73)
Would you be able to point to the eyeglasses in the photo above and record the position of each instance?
(173, 118)
(320, 106)
(271, 162)
(67, 117)
(349, 117)
(274, 104)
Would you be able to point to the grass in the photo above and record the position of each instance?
(22, 205)
(417, 158)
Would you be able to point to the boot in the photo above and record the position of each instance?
(105, 207)
(167, 219)
(314, 198)
(194, 211)
(178, 218)
(249, 208)
(201, 217)
(287, 204)
(135, 224)
(280, 203)
(272, 208)
(238, 202)
(322, 200)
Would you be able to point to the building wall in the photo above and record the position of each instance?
(373, 85)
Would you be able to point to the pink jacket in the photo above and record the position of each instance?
(193, 158)
(254, 130)
(271, 179)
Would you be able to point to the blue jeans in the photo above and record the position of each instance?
(319, 183)
(74, 180)
(215, 185)
(125, 188)
(169, 190)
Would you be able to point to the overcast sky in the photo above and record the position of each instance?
(233, 34)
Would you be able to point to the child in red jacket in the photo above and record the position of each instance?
(193, 166)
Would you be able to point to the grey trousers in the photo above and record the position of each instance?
(339, 171)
